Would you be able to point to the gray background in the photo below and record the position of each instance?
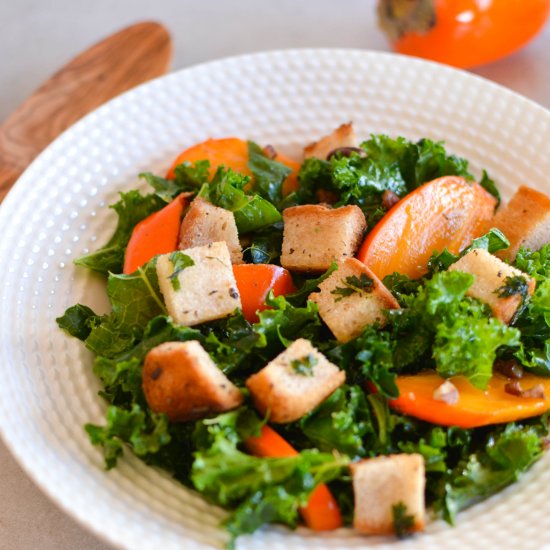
(40, 36)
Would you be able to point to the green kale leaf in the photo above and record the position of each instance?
(341, 422)
(493, 241)
(534, 263)
(396, 165)
(77, 321)
(259, 490)
(189, 177)
(266, 245)
(251, 211)
(461, 332)
(466, 343)
(135, 300)
(145, 433)
(269, 175)
(131, 209)
(300, 296)
(507, 454)
(121, 374)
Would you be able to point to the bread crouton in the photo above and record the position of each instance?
(315, 235)
(181, 380)
(205, 223)
(343, 136)
(201, 292)
(491, 276)
(383, 482)
(525, 221)
(351, 298)
(294, 383)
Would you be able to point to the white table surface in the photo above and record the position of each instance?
(39, 36)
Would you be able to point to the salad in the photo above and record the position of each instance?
(354, 339)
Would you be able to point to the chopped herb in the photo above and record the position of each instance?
(353, 284)
(180, 261)
(304, 365)
(403, 523)
(513, 286)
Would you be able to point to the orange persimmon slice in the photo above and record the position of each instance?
(254, 282)
(448, 212)
(474, 407)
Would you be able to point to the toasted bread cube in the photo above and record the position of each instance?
(490, 275)
(525, 221)
(205, 223)
(204, 291)
(381, 483)
(181, 380)
(345, 306)
(294, 383)
(315, 235)
(343, 136)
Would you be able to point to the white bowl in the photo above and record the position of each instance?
(58, 211)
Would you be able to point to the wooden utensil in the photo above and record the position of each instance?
(117, 63)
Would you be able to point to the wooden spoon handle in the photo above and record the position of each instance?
(119, 62)
(8, 176)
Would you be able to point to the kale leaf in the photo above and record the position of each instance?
(269, 175)
(396, 165)
(188, 177)
(77, 321)
(493, 241)
(131, 209)
(508, 452)
(465, 338)
(145, 433)
(251, 211)
(342, 422)
(135, 300)
(259, 490)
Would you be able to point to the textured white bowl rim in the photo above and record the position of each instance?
(23, 422)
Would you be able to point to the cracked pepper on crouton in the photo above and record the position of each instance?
(525, 221)
(343, 136)
(315, 235)
(351, 298)
(201, 292)
(205, 223)
(492, 276)
(181, 380)
(294, 383)
(383, 482)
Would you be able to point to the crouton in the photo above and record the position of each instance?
(294, 383)
(205, 223)
(491, 276)
(351, 298)
(343, 136)
(525, 221)
(383, 482)
(201, 292)
(181, 380)
(315, 235)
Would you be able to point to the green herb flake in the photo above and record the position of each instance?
(180, 261)
(361, 285)
(516, 285)
(403, 523)
(304, 365)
